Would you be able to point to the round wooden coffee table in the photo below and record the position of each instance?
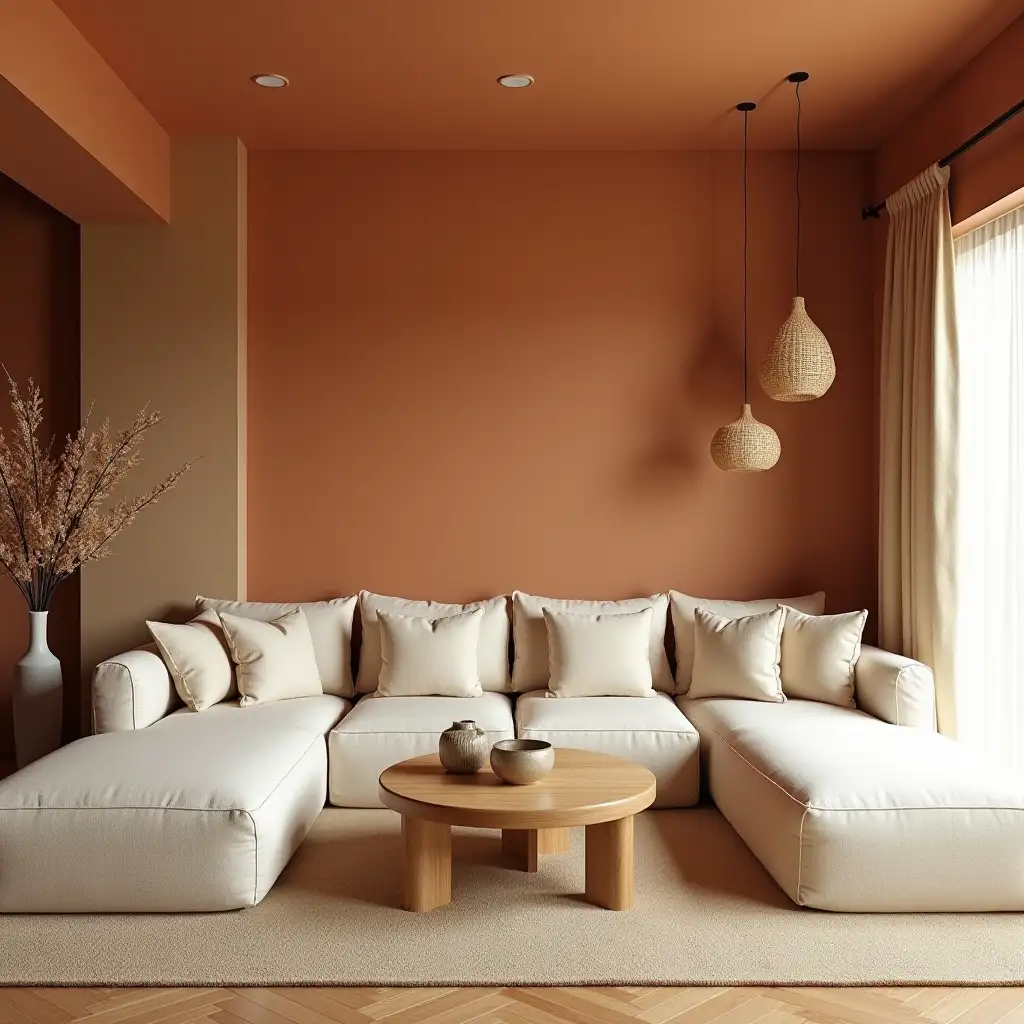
(584, 788)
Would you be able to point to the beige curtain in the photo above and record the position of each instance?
(917, 543)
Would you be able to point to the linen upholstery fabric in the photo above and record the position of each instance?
(275, 660)
(738, 657)
(197, 656)
(599, 655)
(420, 657)
(132, 690)
(125, 822)
(381, 731)
(683, 609)
(849, 813)
(531, 669)
(895, 689)
(330, 626)
(919, 416)
(492, 652)
(819, 656)
(652, 732)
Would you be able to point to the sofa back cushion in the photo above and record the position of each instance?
(330, 626)
(492, 652)
(532, 671)
(684, 606)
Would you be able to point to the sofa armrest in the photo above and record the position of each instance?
(131, 690)
(895, 689)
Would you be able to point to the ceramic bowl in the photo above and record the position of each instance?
(522, 762)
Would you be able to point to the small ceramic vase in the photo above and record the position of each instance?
(463, 748)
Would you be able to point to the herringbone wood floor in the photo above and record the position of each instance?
(513, 1006)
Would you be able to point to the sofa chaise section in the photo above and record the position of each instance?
(847, 812)
(194, 812)
(380, 731)
(648, 730)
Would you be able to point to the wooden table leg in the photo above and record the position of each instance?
(428, 864)
(609, 858)
(524, 847)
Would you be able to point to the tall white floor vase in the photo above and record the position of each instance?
(38, 697)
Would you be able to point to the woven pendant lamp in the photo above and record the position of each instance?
(745, 445)
(799, 366)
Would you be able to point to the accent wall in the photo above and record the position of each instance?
(471, 372)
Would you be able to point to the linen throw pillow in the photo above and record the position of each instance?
(819, 655)
(531, 670)
(492, 652)
(274, 660)
(738, 657)
(197, 657)
(429, 657)
(330, 626)
(684, 607)
(600, 655)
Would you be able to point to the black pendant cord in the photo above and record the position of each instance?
(745, 108)
(745, 255)
(798, 150)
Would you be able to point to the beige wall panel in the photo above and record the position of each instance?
(163, 322)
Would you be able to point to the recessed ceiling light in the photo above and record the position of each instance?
(515, 81)
(270, 81)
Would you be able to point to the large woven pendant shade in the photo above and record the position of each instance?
(799, 366)
(745, 445)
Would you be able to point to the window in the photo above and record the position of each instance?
(990, 613)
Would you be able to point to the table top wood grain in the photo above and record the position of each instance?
(584, 788)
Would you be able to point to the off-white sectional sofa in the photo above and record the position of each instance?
(165, 809)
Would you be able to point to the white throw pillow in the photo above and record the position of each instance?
(819, 655)
(600, 655)
(330, 626)
(429, 657)
(492, 651)
(738, 657)
(684, 606)
(273, 660)
(197, 657)
(531, 670)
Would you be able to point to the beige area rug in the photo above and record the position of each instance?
(706, 913)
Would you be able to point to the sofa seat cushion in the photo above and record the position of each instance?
(320, 712)
(200, 812)
(648, 730)
(381, 731)
(850, 813)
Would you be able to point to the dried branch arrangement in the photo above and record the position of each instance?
(55, 512)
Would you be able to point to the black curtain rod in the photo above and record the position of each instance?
(1007, 115)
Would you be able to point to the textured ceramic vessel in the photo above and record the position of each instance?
(522, 762)
(463, 748)
(38, 697)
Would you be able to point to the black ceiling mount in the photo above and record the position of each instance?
(747, 106)
(797, 77)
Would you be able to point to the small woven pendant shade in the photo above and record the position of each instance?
(799, 366)
(746, 445)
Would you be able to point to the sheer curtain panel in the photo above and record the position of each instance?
(990, 524)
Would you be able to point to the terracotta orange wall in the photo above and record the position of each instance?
(39, 332)
(470, 372)
(977, 94)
